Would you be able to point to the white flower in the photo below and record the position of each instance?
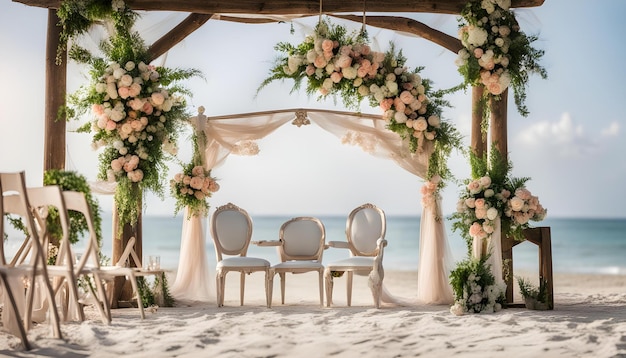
(457, 309)
(434, 121)
(489, 193)
(477, 36)
(492, 213)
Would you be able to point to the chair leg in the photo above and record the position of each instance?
(242, 288)
(349, 286)
(321, 287)
(283, 277)
(270, 287)
(103, 301)
(133, 282)
(328, 278)
(268, 290)
(18, 319)
(218, 289)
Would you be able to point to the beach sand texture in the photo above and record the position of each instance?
(589, 319)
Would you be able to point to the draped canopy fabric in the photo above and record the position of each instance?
(237, 134)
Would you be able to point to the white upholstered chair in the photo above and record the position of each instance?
(302, 241)
(365, 233)
(231, 230)
(30, 260)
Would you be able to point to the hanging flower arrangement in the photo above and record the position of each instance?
(338, 64)
(496, 53)
(136, 110)
(193, 186)
(491, 195)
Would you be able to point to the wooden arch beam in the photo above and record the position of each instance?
(410, 26)
(177, 34)
(290, 7)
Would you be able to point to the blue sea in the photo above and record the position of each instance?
(578, 245)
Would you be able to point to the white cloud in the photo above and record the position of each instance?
(564, 137)
(612, 130)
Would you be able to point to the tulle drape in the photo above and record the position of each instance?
(194, 279)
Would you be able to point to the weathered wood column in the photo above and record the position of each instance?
(479, 137)
(499, 139)
(122, 291)
(56, 88)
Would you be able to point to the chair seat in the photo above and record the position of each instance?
(233, 262)
(352, 263)
(289, 265)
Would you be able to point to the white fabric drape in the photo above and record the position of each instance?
(435, 260)
(237, 134)
(194, 279)
(494, 249)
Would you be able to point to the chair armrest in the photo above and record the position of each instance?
(338, 244)
(267, 243)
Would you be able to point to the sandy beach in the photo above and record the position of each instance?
(589, 319)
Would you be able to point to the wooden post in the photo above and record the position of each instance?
(479, 137)
(122, 291)
(498, 123)
(56, 83)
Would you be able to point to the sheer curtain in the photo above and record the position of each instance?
(236, 134)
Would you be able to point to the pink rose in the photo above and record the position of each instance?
(327, 45)
(214, 186)
(420, 124)
(385, 105)
(470, 202)
(320, 62)
(478, 52)
(336, 77)
(480, 203)
(111, 125)
(310, 70)
(406, 97)
(197, 171)
(343, 61)
(147, 108)
(481, 213)
(196, 183)
(124, 92)
(474, 187)
(157, 98)
(116, 165)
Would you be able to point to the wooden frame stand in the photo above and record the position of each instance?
(539, 236)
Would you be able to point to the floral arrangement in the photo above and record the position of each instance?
(336, 63)
(496, 53)
(192, 187)
(136, 109)
(475, 289)
(493, 194)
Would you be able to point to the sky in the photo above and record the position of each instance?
(571, 145)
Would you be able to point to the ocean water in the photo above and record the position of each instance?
(578, 245)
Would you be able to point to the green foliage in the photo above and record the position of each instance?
(474, 286)
(336, 63)
(160, 288)
(528, 290)
(117, 115)
(147, 296)
(73, 181)
(512, 52)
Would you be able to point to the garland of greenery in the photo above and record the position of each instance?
(339, 64)
(138, 108)
(496, 53)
